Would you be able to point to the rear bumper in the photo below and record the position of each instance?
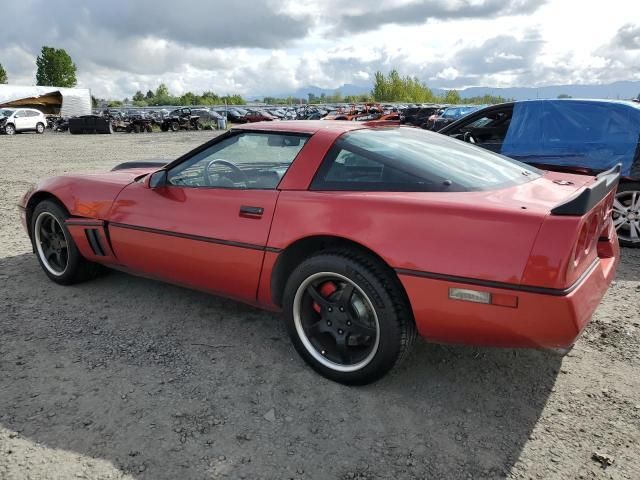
(540, 320)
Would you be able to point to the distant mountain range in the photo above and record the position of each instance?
(617, 90)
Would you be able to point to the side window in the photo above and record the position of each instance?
(412, 160)
(249, 160)
(344, 169)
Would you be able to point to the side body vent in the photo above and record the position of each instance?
(93, 237)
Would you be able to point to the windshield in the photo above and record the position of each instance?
(451, 113)
(5, 112)
(432, 162)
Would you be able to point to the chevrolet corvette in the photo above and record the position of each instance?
(363, 236)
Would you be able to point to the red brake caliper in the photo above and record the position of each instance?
(326, 290)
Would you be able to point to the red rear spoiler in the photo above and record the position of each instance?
(590, 196)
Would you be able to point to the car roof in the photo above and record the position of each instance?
(302, 126)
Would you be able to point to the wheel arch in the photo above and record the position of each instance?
(303, 248)
(37, 198)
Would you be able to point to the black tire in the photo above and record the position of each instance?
(76, 268)
(9, 129)
(198, 126)
(627, 218)
(164, 127)
(378, 293)
(40, 128)
(175, 126)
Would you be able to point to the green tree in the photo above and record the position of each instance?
(564, 95)
(149, 95)
(3, 74)
(55, 68)
(381, 89)
(162, 91)
(138, 96)
(453, 97)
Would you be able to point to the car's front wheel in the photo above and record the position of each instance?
(626, 214)
(56, 251)
(347, 317)
(9, 129)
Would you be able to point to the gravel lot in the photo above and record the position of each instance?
(124, 377)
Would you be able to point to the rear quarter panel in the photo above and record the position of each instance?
(434, 232)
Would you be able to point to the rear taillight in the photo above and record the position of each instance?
(595, 227)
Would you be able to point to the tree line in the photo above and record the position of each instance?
(395, 88)
(56, 68)
(391, 88)
(162, 96)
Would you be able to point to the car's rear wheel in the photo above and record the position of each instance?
(175, 126)
(347, 317)
(626, 214)
(57, 253)
(9, 129)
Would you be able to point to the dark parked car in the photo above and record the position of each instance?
(417, 115)
(233, 115)
(583, 136)
(181, 118)
(447, 116)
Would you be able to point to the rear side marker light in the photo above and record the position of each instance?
(476, 296)
(504, 300)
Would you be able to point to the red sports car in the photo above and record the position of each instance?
(363, 236)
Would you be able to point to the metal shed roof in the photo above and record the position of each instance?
(75, 101)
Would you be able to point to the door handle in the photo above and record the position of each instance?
(249, 211)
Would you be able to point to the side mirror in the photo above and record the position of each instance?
(156, 180)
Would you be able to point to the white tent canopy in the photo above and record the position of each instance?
(67, 102)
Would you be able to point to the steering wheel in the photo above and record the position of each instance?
(237, 175)
(469, 138)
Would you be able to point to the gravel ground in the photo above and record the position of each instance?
(124, 377)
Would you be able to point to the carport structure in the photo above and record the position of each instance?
(66, 102)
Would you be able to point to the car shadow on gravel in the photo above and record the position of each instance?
(164, 382)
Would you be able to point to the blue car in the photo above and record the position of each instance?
(578, 136)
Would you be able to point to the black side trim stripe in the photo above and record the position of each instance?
(502, 285)
(84, 222)
(198, 238)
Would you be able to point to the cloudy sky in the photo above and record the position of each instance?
(258, 47)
